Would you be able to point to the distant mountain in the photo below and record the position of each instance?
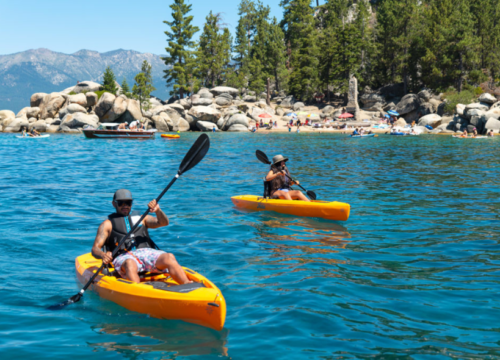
(42, 70)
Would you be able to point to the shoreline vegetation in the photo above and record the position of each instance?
(435, 63)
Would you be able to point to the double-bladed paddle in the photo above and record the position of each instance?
(264, 159)
(192, 158)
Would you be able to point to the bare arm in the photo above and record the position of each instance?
(160, 220)
(102, 234)
(271, 176)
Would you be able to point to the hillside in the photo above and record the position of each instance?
(43, 70)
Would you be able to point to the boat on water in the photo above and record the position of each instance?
(364, 135)
(158, 295)
(330, 210)
(110, 131)
(33, 137)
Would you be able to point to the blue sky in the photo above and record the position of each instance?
(69, 26)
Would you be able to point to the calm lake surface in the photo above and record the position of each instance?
(413, 274)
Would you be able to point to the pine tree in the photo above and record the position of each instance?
(304, 61)
(214, 52)
(276, 55)
(180, 60)
(143, 85)
(125, 87)
(109, 83)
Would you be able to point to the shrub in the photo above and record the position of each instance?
(99, 93)
(454, 98)
(478, 91)
(72, 93)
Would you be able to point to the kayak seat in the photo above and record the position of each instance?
(185, 288)
(267, 189)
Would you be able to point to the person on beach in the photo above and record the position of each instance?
(280, 182)
(289, 127)
(141, 253)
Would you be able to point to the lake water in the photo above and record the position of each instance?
(413, 274)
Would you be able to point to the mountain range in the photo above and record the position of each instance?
(42, 70)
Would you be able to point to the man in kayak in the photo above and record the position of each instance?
(141, 253)
(280, 183)
(355, 132)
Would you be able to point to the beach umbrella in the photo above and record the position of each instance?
(265, 115)
(291, 114)
(346, 115)
(302, 113)
(312, 115)
(392, 112)
(387, 116)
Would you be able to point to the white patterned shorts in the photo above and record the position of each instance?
(144, 258)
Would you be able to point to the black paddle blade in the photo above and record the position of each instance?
(311, 194)
(195, 154)
(71, 300)
(262, 157)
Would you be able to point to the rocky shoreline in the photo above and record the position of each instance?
(226, 109)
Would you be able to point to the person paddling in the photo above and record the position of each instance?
(34, 133)
(141, 253)
(280, 183)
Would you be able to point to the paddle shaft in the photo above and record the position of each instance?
(126, 237)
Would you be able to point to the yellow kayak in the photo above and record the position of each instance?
(170, 136)
(158, 295)
(322, 209)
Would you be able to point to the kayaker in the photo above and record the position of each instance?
(141, 254)
(280, 183)
(355, 132)
(34, 133)
(474, 132)
(490, 133)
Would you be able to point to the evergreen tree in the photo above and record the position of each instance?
(276, 55)
(109, 83)
(143, 85)
(125, 88)
(214, 52)
(180, 60)
(304, 61)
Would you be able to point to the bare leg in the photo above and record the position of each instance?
(129, 269)
(297, 195)
(283, 195)
(168, 261)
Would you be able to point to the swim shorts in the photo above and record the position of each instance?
(144, 258)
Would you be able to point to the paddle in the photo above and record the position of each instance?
(263, 158)
(192, 158)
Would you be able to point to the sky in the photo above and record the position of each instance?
(104, 25)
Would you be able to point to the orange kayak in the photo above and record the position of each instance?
(158, 295)
(170, 136)
(321, 209)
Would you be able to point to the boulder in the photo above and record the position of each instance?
(40, 126)
(79, 120)
(495, 105)
(425, 95)
(15, 125)
(421, 130)
(191, 121)
(492, 113)
(66, 130)
(161, 122)
(203, 90)
(249, 98)
(237, 119)
(80, 99)
(412, 116)
(369, 100)
(459, 109)
(328, 110)
(435, 104)
(31, 120)
(389, 106)
(492, 124)
(51, 104)
(172, 99)
(183, 125)
(133, 111)
(375, 107)
(440, 108)
(118, 109)
(199, 101)
(426, 109)
(218, 90)
(6, 114)
(477, 121)
(105, 104)
(86, 86)
(476, 106)
(33, 112)
(298, 106)
(288, 102)
(71, 109)
(154, 102)
(206, 95)
(36, 99)
(469, 113)
(206, 126)
(433, 120)
(92, 98)
(52, 129)
(400, 123)
(205, 113)
(487, 98)
(185, 103)
(222, 101)
(23, 112)
(51, 121)
(470, 128)
(280, 111)
(408, 103)
(243, 107)
(238, 128)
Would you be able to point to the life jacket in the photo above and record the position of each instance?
(279, 182)
(121, 225)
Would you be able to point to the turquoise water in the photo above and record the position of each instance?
(413, 274)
